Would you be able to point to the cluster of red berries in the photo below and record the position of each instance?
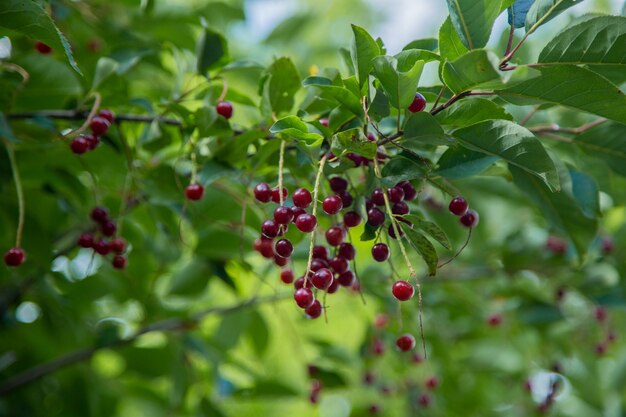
(99, 126)
(101, 245)
(460, 207)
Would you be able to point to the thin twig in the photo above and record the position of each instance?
(529, 115)
(511, 36)
(457, 97)
(469, 235)
(87, 122)
(316, 188)
(20, 193)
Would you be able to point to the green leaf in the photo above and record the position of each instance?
(352, 140)
(29, 18)
(571, 86)
(212, 51)
(459, 162)
(267, 389)
(423, 246)
(104, 69)
(608, 142)
(230, 329)
(470, 111)
(431, 229)
(340, 94)
(513, 143)
(399, 169)
(281, 85)
(598, 41)
(423, 129)
(293, 127)
(517, 12)
(258, 332)
(585, 192)
(450, 45)
(399, 86)
(191, 279)
(364, 50)
(543, 11)
(477, 68)
(429, 44)
(5, 130)
(408, 58)
(473, 20)
(560, 209)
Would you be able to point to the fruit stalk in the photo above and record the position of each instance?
(90, 116)
(316, 188)
(20, 194)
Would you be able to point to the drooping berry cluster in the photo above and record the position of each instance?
(459, 207)
(99, 126)
(107, 229)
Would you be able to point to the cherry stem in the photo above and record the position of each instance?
(19, 192)
(194, 168)
(469, 235)
(459, 96)
(511, 36)
(281, 166)
(224, 90)
(90, 116)
(443, 89)
(16, 68)
(316, 188)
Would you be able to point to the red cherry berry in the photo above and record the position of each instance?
(107, 114)
(302, 198)
(334, 236)
(375, 217)
(320, 252)
(317, 264)
(405, 342)
(86, 240)
(297, 211)
(304, 297)
(410, 193)
(324, 121)
(283, 215)
(314, 311)
(102, 247)
(378, 197)
(378, 347)
(494, 320)
(402, 290)
(322, 279)
(42, 48)
(380, 252)
(347, 251)
(424, 400)
(99, 125)
(286, 276)
(306, 222)
(556, 245)
(263, 192)
(374, 409)
(470, 219)
(334, 286)
(265, 247)
(117, 245)
(14, 257)
(224, 109)
(280, 261)
(339, 264)
(346, 279)
(269, 229)
(458, 206)
(601, 348)
(332, 204)
(92, 140)
(351, 219)
(119, 262)
(100, 215)
(79, 145)
(346, 198)
(276, 195)
(283, 248)
(194, 192)
(108, 228)
(338, 184)
(600, 314)
(391, 231)
(299, 283)
(418, 104)
(396, 194)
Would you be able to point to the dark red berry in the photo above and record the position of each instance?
(556, 245)
(378, 197)
(380, 252)
(269, 228)
(280, 261)
(283, 248)
(14, 257)
(322, 279)
(194, 192)
(119, 262)
(410, 193)
(320, 252)
(99, 125)
(375, 217)
(402, 290)
(400, 208)
(224, 109)
(283, 215)
(93, 141)
(263, 192)
(346, 198)
(304, 297)
(302, 198)
(381, 320)
(396, 194)
(334, 287)
(107, 114)
(108, 228)
(306, 222)
(424, 400)
(601, 348)
(369, 204)
(334, 236)
(600, 314)
(346, 279)
(102, 247)
(42, 48)
(100, 215)
(117, 245)
(369, 378)
(332, 204)
(418, 104)
(276, 195)
(324, 121)
(299, 283)
(374, 409)
(265, 247)
(339, 264)
(391, 231)
(378, 347)
(405, 342)
(470, 219)
(86, 240)
(315, 310)
(286, 276)
(458, 206)
(338, 184)
(347, 251)
(351, 219)
(297, 211)
(371, 137)
(494, 320)
(79, 145)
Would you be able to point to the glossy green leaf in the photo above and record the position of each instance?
(339, 93)
(518, 11)
(408, 58)
(513, 143)
(364, 50)
(399, 86)
(281, 85)
(429, 44)
(104, 69)
(459, 162)
(422, 246)
(571, 86)
(450, 45)
(470, 111)
(597, 41)
(293, 127)
(212, 51)
(542, 11)
(29, 18)
(607, 142)
(258, 332)
(475, 69)
(431, 229)
(191, 279)
(423, 129)
(352, 140)
(585, 192)
(473, 20)
(560, 210)
(400, 169)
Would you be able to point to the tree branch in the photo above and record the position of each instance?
(80, 115)
(459, 96)
(174, 324)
